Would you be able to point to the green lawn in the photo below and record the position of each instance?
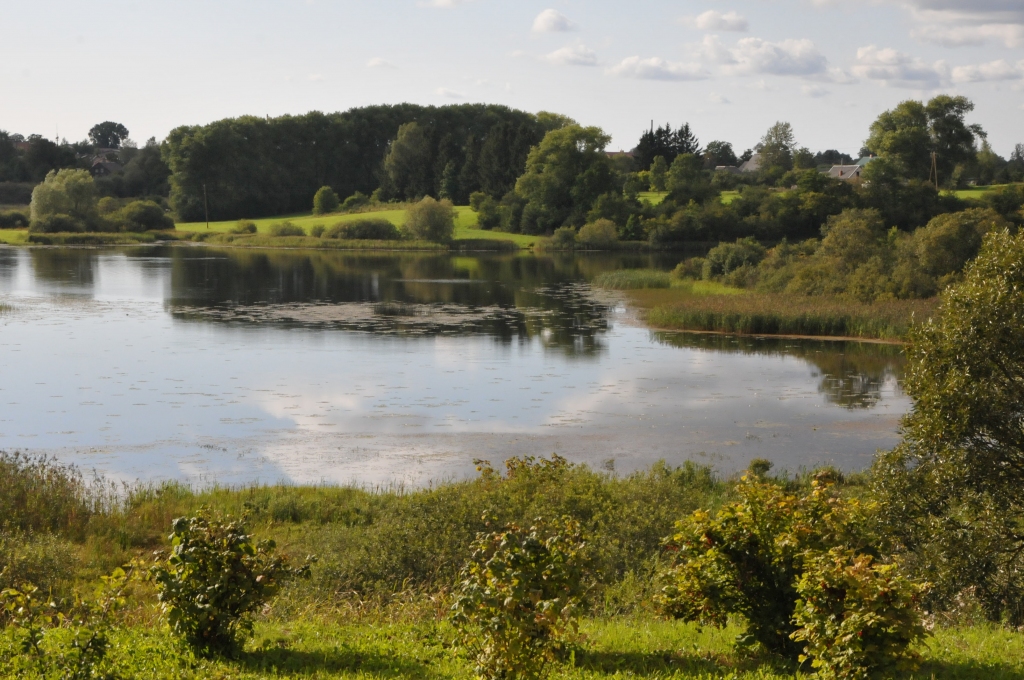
(655, 197)
(728, 197)
(616, 648)
(14, 237)
(979, 192)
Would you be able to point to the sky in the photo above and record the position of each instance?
(730, 68)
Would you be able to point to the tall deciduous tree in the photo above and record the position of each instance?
(954, 489)
(777, 146)
(564, 176)
(408, 163)
(108, 135)
(65, 192)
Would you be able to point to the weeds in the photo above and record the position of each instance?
(632, 279)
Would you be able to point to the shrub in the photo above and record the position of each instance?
(520, 594)
(286, 229)
(317, 230)
(325, 201)
(601, 235)
(108, 205)
(142, 216)
(13, 220)
(489, 214)
(65, 192)
(57, 223)
(748, 560)
(692, 268)
(215, 580)
(67, 640)
(43, 560)
(371, 229)
(355, 201)
(727, 257)
(858, 619)
(38, 494)
(476, 199)
(431, 220)
(243, 227)
(564, 238)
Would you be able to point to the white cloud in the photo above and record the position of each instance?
(898, 69)
(552, 21)
(573, 55)
(451, 94)
(656, 68)
(713, 20)
(815, 91)
(377, 62)
(992, 71)
(960, 35)
(958, 23)
(756, 56)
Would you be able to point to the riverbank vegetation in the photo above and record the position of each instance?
(910, 568)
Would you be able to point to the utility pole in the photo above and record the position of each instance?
(206, 206)
(933, 175)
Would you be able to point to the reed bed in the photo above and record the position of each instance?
(91, 239)
(633, 279)
(771, 314)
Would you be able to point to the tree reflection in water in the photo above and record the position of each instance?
(852, 374)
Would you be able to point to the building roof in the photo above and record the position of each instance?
(845, 172)
(753, 165)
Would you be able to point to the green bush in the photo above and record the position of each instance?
(43, 560)
(141, 216)
(63, 639)
(38, 494)
(519, 596)
(13, 219)
(748, 560)
(243, 227)
(489, 214)
(858, 619)
(286, 229)
(355, 201)
(431, 220)
(727, 257)
(692, 268)
(325, 201)
(369, 229)
(564, 238)
(214, 581)
(57, 224)
(476, 199)
(600, 235)
(317, 230)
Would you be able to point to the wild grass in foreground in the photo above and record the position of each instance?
(633, 279)
(775, 314)
(605, 648)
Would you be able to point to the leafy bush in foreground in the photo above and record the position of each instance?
(858, 619)
(325, 201)
(748, 560)
(286, 229)
(519, 596)
(243, 227)
(215, 580)
(431, 220)
(369, 229)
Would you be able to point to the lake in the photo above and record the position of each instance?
(233, 366)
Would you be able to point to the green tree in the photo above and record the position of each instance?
(719, 153)
(408, 163)
(954, 488)
(431, 220)
(777, 146)
(66, 192)
(108, 135)
(325, 201)
(908, 135)
(564, 175)
(659, 173)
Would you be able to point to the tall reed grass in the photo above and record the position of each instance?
(632, 279)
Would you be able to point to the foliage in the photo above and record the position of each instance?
(65, 640)
(12, 219)
(215, 579)
(108, 135)
(777, 147)
(368, 229)
(286, 228)
(65, 192)
(39, 494)
(564, 238)
(601, 235)
(42, 559)
(666, 143)
(317, 230)
(564, 176)
(859, 619)
(243, 227)
(431, 220)
(658, 173)
(632, 279)
(142, 216)
(355, 201)
(953, 486)
(747, 560)
(520, 595)
(727, 257)
(407, 166)
(325, 201)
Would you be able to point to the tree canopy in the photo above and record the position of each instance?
(108, 135)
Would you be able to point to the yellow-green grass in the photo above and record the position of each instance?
(655, 197)
(708, 307)
(728, 197)
(605, 648)
(980, 191)
(14, 237)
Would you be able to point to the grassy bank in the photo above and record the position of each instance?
(377, 600)
(90, 239)
(710, 307)
(14, 237)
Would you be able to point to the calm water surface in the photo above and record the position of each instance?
(233, 366)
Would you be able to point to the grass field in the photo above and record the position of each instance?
(728, 197)
(655, 197)
(978, 192)
(14, 237)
